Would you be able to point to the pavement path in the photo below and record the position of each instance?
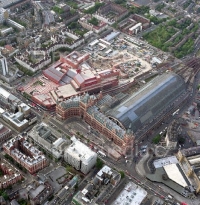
(140, 166)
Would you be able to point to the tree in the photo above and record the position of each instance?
(5, 195)
(122, 174)
(181, 140)
(76, 187)
(99, 163)
(73, 25)
(94, 21)
(69, 168)
(156, 139)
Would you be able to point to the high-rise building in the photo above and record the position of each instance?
(3, 65)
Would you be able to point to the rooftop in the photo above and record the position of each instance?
(80, 151)
(8, 175)
(132, 194)
(191, 151)
(16, 118)
(96, 190)
(173, 172)
(149, 101)
(48, 138)
(165, 161)
(36, 155)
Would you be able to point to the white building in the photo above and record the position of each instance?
(135, 29)
(3, 15)
(80, 156)
(16, 25)
(6, 31)
(3, 65)
(132, 194)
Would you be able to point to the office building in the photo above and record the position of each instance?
(49, 139)
(80, 156)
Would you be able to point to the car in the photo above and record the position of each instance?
(143, 147)
(144, 151)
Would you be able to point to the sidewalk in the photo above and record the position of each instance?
(140, 166)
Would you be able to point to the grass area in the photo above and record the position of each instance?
(94, 21)
(77, 28)
(163, 33)
(121, 2)
(159, 36)
(198, 53)
(185, 49)
(72, 4)
(24, 70)
(22, 202)
(181, 25)
(69, 40)
(57, 10)
(172, 9)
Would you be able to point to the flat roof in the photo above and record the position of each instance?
(80, 151)
(174, 174)
(35, 192)
(194, 161)
(64, 91)
(2, 110)
(132, 194)
(4, 93)
(165, 161)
